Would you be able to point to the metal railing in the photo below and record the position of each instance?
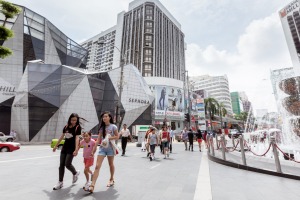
(221, 145)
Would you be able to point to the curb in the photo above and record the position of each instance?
(253, 169)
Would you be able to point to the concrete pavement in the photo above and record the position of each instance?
(31, 172)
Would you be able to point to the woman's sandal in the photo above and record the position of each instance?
(110, 183)
(91, 188)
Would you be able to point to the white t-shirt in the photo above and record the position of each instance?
(125, 133)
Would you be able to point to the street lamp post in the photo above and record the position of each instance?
(118, 111)
(189, 98)
(118, 108)
(186, 82)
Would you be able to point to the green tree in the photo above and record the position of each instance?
(9, 11)
(242, 116)
(222, 112)
(211, 108)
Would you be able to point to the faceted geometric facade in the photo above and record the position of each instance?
(136, 95)
(35, 38)
(48, 94)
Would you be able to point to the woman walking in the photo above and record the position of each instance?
(153, 141)
(199, 138)
(108, 132)
(165, 139)
(184, 137)
(71, 133)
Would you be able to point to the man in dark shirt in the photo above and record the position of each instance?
(191, 138)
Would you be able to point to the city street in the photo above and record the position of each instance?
(32, 171)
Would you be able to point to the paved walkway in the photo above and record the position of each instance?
(31, 172)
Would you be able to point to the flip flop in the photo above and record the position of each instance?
(110, 183)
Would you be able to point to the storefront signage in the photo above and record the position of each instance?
(141, 101)
(291, 7)
(7, 90)
(24, 106)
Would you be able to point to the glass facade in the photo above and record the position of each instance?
(35, 32)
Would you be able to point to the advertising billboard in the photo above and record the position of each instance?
(169, 102)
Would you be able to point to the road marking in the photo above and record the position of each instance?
(203, 187)
(154, 166)
(6, 161)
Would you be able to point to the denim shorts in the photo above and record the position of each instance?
(106, 151)
(165, 144)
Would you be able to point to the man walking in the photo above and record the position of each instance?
(124, 133)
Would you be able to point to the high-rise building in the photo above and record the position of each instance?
(216, 87)
(148, 36)
(236, 102)
(104, 49)
(247, 106)
(290, 20)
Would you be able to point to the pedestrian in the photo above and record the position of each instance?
(146, 140)
(172, 134)
(153, 141)
(125, 135)
(71, 133)
(199, 138)
(13, 133)
(205, 138)
(88, 144)
(165, 139)
(184, 137)
(159, 141)
(191, 139)
(108, 133)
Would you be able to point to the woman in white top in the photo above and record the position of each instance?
(107, 132)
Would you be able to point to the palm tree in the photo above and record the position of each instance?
(243, 116)
(222, 112)
(211, 107)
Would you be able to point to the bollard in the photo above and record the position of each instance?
(241, 137)
(223, 146)
(211, 139)
(232, 139)
(275, 152)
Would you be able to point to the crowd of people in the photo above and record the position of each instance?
(108, 136)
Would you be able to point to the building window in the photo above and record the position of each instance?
(148, 59)
(148, 30)
(148, 52)
(148, 67)
(149, 24)
(148, 38)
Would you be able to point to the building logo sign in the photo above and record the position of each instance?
(140, 101)
(21, 105)
(7, 90)
(291, 7)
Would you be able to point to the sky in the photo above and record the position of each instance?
(242, 39)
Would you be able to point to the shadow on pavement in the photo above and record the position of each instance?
(65, 193)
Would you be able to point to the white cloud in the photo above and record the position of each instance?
(260, 48)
